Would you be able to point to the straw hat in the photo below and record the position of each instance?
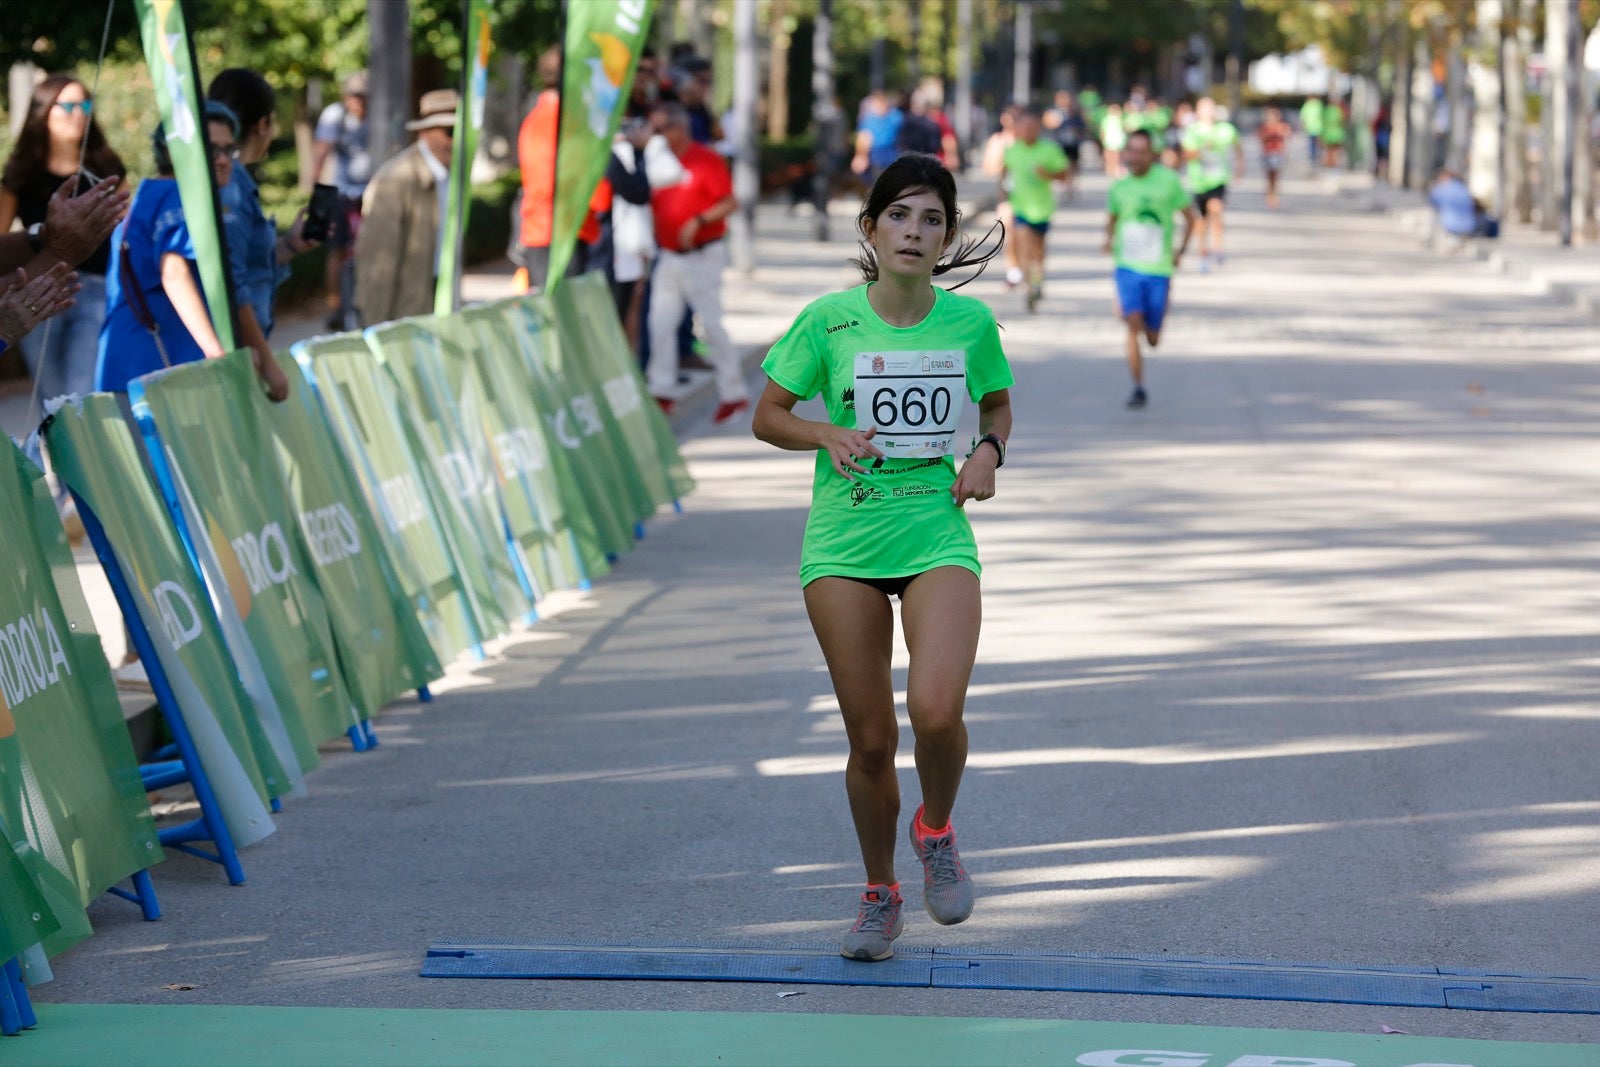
(438, 108)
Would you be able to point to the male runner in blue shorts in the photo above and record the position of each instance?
(1140, 208)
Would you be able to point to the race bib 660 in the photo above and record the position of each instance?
(913, 399)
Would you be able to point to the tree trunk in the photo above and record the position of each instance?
(1514, 80)
(826, 112)
(746, 168)
(1485, 169)
(1582, 105)
(1400, 100)
(778, 71)
(1419, 146)
(963, 116)
(1022, 57)
(389, 77)
(1457, 89)
(1557, 206)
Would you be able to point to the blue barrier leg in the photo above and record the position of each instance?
(143, 894)
(424, 695)
(210, 826)
(13, 996)
(677, 505)
(358, 738)
(638, 531)
(276, 805)
(371, 733)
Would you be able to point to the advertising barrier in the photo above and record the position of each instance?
(383, 650)
(231, 504)
(70, 796)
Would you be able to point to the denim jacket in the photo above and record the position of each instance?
(252, 246)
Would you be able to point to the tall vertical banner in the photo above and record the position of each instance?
(169, 50)
(598, 59)
(469, 120)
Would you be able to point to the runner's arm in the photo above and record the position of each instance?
(976, 479)
(1111, 232)
(1189, 218)
(776, 423)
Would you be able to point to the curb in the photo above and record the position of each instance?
(1419, 220)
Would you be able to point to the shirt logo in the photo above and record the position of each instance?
(848, 399)
(844, 325)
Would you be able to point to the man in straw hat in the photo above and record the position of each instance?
(397, 250)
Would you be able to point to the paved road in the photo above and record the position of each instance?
(1297, 663)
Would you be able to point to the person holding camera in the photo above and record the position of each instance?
(258, 254)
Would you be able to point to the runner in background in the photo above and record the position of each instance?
(994, 165)
(1171, 143)
(1139, 212)
(1066, 127)
(1211, 145)
(1274, 136)
(1333, 120)
(1113, 136)
(895, 360)
(1311, 122)
(1033, 165)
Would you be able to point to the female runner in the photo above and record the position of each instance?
(895, 359)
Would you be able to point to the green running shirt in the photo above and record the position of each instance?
(1144, 208)
(898, 519)
(1214, 166)
(1032, 197)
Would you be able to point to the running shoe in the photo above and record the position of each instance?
(1137, 399)
(878, 924)
(1013, 277)
(727, 410)
(1035, 294)
(946, 886)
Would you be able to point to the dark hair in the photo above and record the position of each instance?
(915, 172)
(30, 158)
(1151, 141)
(246, 94)
(215, 112)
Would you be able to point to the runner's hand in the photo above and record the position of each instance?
(844, 446)
(271, 375)
(26, 303)
(1105, 247)
(976, 480)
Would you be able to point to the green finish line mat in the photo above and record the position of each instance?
(936, 968)
(94, 1035)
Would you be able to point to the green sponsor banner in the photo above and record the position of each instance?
(445, 399)
(599, 55)
(587, 314)
(26, 918)
(243, 529)
(469, 121)
(169, 51)
(70, 795)
(573, 418)
(547, 492)
(518, 453)
(383, 650)
(237, 726)
(367, 415)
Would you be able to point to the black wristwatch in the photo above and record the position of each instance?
(36, 237)
(999, 447)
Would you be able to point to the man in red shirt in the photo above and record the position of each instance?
(690, 225)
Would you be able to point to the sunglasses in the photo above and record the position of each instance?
(220, 152)
(69, 106)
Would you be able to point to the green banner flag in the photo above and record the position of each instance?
(236, 724)
(599, 56)
(169, 51)
(26, 918)
(70, 795)
(382, 648)
(446, 401)
(469, 121)
(242, 528)
(364, 410)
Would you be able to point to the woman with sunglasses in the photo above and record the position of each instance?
(60, 126)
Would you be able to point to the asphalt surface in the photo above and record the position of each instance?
(1297, 663)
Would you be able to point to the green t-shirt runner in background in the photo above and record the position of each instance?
(898, 519)
(1032, 197)
(1214, 167)
(1144, 208)
(1311, 117)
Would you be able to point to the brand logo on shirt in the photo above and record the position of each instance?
(860, 494)
(848, 399)
(844, 325)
